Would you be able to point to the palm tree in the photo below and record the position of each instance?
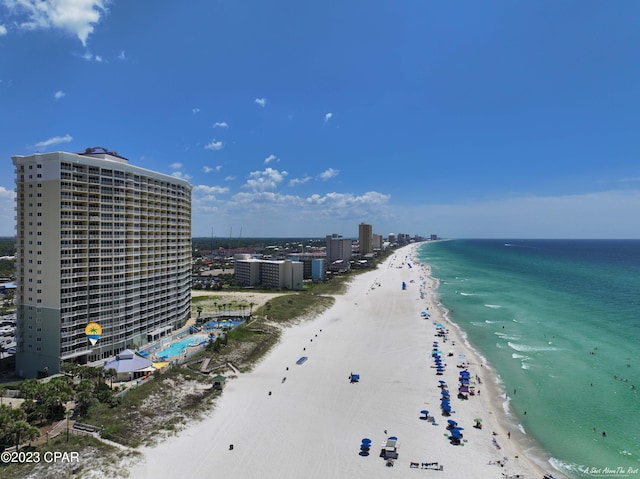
(110, 374)
(22, 429)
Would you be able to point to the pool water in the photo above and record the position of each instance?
(178, 348)
(224, 323)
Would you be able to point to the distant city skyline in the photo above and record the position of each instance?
(290, 119)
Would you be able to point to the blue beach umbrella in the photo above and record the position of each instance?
(366, 440)
(425, 412)
(452, 422)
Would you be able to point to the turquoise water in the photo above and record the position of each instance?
(560, 323)
(178, 348)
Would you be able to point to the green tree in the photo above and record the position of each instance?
(21, 430)
(84, 395)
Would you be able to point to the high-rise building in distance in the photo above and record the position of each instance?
(98, 241)
(365, 238)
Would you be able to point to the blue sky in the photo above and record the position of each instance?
(465, 119)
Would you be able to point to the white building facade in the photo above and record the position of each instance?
(285, 274)
(98, 240)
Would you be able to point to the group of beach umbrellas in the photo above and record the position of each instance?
(465, 378)
(365, 446)
(455, 434)
(437, 357)
(445, 404)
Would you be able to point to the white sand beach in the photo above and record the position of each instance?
(312, 424)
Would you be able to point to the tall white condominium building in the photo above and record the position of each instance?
(98, 240)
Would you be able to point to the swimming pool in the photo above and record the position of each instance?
(223, 323)
(178, 348)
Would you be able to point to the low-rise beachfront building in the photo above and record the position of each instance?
(318, 269)
(98, 241)
(276, 274)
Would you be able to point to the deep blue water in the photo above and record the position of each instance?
(559, 320)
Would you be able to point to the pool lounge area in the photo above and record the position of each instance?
(174, 347)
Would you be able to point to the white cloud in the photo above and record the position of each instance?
(220, 124)
(207, 169)
(122, 55)
(346, 200)
(88, 56)
(214, 145)
(267, 179)
(3, 30)
(210, 190)
(59, 94)
(180, 174)
(195, 110)
(299, 181)
(77, 17)
(328, 117)
(261, 101)
(229, 178)
(175, 166)
(53, 141)
(328, 174)
(267, 212)
(271, 158)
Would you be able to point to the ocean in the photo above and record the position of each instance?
(559, 320)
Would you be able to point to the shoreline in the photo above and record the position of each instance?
(313, 423)
(506, 423)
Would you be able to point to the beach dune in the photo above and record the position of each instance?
(312, 423)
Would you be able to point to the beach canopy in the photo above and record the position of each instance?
(424, 411)
(366, 440)
(452, 422)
